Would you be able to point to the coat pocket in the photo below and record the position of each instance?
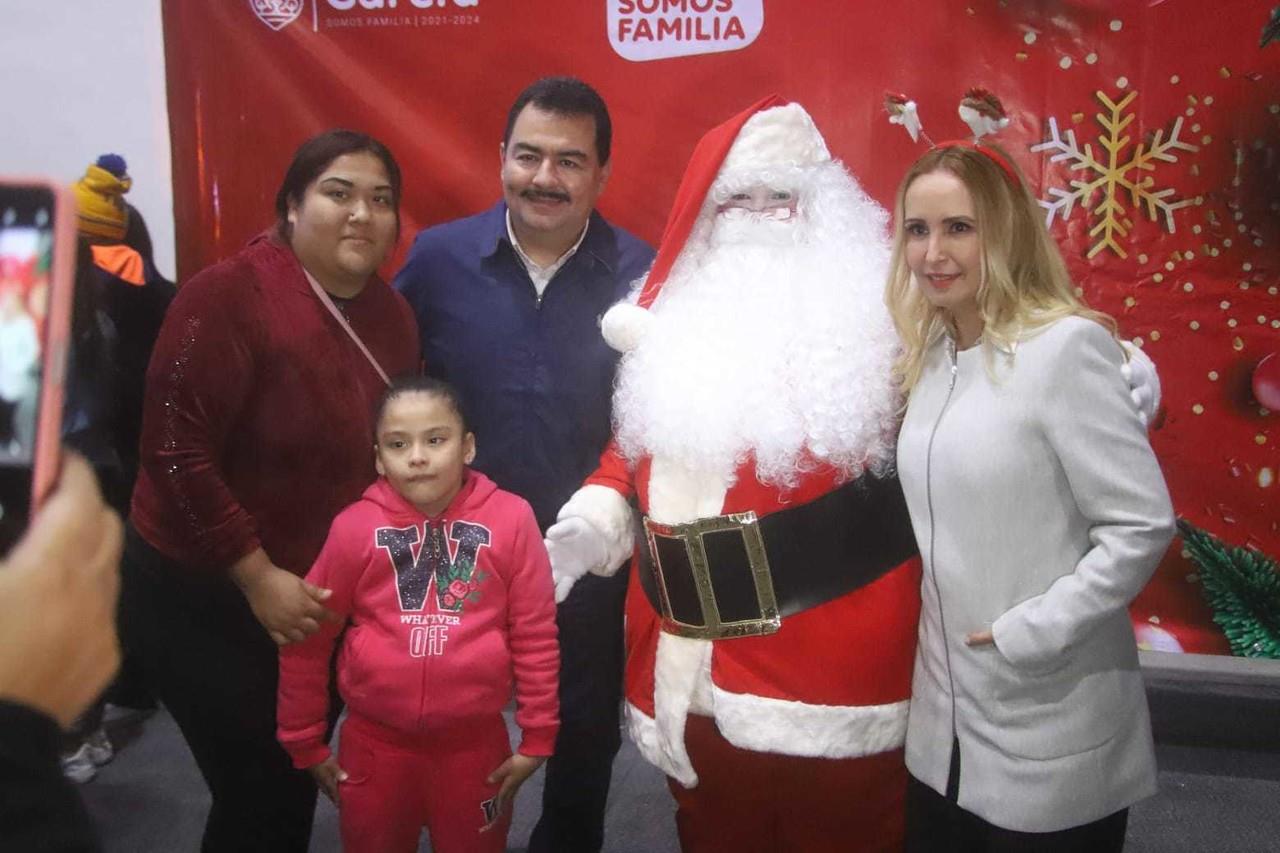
(356, 759)
(1068, 709)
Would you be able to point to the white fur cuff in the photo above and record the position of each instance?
(798, 728)
(610, 515)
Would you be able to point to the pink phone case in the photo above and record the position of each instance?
(53, 346)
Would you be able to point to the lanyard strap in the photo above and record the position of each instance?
(342, 321)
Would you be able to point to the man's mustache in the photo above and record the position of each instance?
(545, 195)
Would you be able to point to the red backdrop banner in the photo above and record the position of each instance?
(1149, 128)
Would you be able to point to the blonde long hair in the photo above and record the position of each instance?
(1024, 283)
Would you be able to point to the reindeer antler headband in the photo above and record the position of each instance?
(979, 108)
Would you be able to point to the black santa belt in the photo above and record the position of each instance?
(738, 575)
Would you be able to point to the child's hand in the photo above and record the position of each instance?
(512, 773)
(327, 775)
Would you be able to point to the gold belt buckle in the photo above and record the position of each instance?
(692, 534)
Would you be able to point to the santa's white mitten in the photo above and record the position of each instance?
(624, 326)
(593, 533)
(575, 548)
(1144, 382)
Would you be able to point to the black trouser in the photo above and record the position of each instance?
(936, 824)
(130, 688)
(215, 669)
(591, 658)
(39, 808)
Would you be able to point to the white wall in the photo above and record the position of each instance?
(82, 78)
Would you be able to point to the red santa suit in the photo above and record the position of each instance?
(788, 739)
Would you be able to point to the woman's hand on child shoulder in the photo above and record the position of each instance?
(512, 773)
(327, 775)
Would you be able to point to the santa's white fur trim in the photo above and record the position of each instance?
(681, 669)
(678, 495)
(643, 731)
(610, 515)
(871, 730)
(797, 728)
(680, 666)
(683, 685)
(776, 137)
(624, 325)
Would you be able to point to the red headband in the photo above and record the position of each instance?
(992, 154)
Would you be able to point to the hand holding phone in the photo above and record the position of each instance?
(58, 588)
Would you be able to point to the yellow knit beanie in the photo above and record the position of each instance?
(100, 198)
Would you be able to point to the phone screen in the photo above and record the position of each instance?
(26, 256)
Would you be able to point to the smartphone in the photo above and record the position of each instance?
(37, 274)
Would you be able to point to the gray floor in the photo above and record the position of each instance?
(1211, 799)
(151, 798)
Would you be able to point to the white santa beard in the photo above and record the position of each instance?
(781, 352)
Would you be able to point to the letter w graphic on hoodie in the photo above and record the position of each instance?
(456, 578)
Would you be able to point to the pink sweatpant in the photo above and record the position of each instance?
(397, 784)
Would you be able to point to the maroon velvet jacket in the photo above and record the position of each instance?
(258, 421)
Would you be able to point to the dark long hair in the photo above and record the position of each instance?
(315, 155)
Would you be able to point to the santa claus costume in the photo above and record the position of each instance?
(771, 618)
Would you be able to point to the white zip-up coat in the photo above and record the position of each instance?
(1041, 512)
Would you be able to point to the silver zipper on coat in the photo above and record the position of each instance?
(933, 572)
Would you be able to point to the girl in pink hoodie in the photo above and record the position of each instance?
(444, 587)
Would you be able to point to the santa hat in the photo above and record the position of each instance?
(768, 134)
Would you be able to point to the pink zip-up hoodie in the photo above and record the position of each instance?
(445, 613)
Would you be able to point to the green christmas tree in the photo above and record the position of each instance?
(1243, 588)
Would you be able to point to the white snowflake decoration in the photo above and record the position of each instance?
(1112, 177)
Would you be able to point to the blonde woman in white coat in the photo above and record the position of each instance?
(1040, 512)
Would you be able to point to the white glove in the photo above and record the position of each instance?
(575, 548)
(1144, 382)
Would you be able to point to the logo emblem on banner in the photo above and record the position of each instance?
(644, 30)
(277, 14)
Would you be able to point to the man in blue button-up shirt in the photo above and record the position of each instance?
(508, 303)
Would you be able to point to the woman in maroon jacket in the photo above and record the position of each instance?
(256, 433)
